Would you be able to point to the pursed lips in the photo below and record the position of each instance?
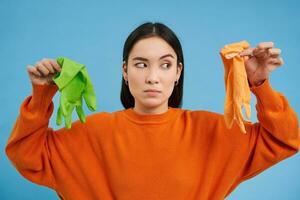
(152, 90)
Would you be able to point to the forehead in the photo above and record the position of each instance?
(152, 47)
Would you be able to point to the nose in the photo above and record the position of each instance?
(152, 76)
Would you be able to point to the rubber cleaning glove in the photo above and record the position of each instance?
(237, 88)
(74, 83)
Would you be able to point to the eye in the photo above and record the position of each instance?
(167, 65)
(139, 65)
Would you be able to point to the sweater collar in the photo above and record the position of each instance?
(150, 118)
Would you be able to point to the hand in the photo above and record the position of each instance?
(43, 71)
(261, 61)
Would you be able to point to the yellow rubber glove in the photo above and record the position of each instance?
(237, 88)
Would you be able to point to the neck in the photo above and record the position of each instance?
(154, 110)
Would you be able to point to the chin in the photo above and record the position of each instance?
(151, 103)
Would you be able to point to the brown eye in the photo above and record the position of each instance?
(167, 65)
(139, 65)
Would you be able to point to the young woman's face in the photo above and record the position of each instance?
(152, 65)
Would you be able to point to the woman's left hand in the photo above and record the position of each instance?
(261, 61)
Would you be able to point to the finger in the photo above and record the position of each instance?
(49, 66)
(247, 52)
(265, 45)
(42, 69)
(33, 70)
(277, 61)
(56, 66)
(230, 55)
(51, 63)
(274, 52)
(281, 61)
(259, 52)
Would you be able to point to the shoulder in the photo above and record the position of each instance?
(103, 117)
(204, 118)
(99, 120)
(100, 117)
(202, 114)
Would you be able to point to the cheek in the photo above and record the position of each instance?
(136, 82)
(168, 85)
(136, 79)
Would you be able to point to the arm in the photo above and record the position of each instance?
(275, 137)
(33, 147)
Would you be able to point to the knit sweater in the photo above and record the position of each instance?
(180, 154)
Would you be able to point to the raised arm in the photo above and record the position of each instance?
(276, 136)
(37, 151)
(273, 138)
(27, 146)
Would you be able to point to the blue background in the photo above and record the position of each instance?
(93, 33)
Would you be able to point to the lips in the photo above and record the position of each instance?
(152, 90)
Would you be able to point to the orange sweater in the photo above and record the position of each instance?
(178, 155)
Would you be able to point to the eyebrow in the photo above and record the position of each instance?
(145, 59)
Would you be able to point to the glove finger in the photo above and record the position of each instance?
(90, 100)
(80, 113)
(64, 104)
(59, 116)
(89, 94)
(247, 110)
(67, 108)
(229, 115)
(240, 119)
(68, 117)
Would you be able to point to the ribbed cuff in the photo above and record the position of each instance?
(42, 95)
(267, 96)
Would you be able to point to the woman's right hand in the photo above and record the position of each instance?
(43, 71)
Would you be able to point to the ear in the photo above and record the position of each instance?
(124, 70)
(179, 69)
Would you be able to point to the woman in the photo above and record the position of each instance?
(152, 149)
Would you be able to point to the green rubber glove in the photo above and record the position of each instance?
(74, 83)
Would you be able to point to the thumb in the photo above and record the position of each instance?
(90, 99)
(89, 94)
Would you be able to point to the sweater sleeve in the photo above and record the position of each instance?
(32, 144)
(276, 135)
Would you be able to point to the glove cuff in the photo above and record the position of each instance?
(69, 70)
